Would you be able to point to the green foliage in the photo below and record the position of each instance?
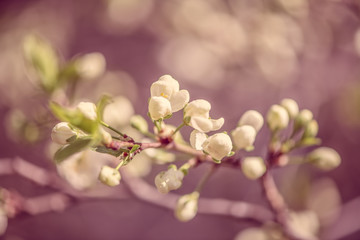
(74, 147)
(101, 104)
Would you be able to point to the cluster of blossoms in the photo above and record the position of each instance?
(166, 99)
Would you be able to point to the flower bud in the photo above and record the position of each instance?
(253, 167)
(218, 146)
(304, 225)
(139, 123)
(311, 129)
(244, 137)
(324, 158)
(109, 176)
(61, 132)
(187, 206)
(88, 109)
(252, 118)
(303, 118)
(169, 180)
(159, 107)
(90, 66)
(291, 107)
(106, 137)
(277, 118)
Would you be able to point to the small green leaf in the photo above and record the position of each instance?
(72, 148)
(102, 149)
(134, 148)
(101, 104)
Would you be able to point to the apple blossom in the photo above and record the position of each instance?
(88, 109)
(166, 97)
(198, 112)
(277, 117)
(218, 146)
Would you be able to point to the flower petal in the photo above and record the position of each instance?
(179, 99)
(159, 107)
(201, 124)
(199, 107)
(165, 86)
(217, 124)
(197, 139)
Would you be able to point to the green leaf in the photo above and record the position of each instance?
(72, 148)
(134, 148)
(102, 149)
(68, 73)
(101, 104)
(44, 59)
(75, 117)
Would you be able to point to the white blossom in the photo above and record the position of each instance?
(109, 176)
(253, 167)
(197, 139)
(88, 109)
(252, 118)
(166, 97)
(303, 118)
(244, 137)
(91, 65)
(218, 146)
(291, 107)
(311, 129)
(159, 107)
(61, 132)
(169, 180)
(187, 206)
(106, 137)
(324, 158)
(198, 112)
(277, 117)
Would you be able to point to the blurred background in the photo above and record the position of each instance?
(237, 54)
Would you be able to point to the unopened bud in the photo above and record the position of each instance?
(253, 167)
(311, 129)
(109, 176)
(252, 118)
(324, 158)
(244, 137)
(187, 206)
(277, 118)
(303, 118)
(169, 180)
(88, 109)
(291, 107)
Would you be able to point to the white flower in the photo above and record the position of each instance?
(159, 108)
(303, 118)
(61, 132)
(244, 137)
(252, 118)
(106, 137)
(197, 139)
(3, 222)
(198, 112)
(166, 94)
(88, 109)
(304, 225)
(218, 146)
(291, 107)
(109, 176)
(187, 206)
(311, 129)
(118, 112)
(324, 158)
(90, 66)
(277, 117)
(253, 167)
(169, 180)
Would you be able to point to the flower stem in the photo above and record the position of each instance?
(111, 128)
(178, 128)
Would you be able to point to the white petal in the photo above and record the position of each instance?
(197, 107)
(165, 87)
(179, 99)
(201, 124)
(218, 145)
(159, 107)
(243, 136)
(197, 139)
(217, 124)
(252, 118)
